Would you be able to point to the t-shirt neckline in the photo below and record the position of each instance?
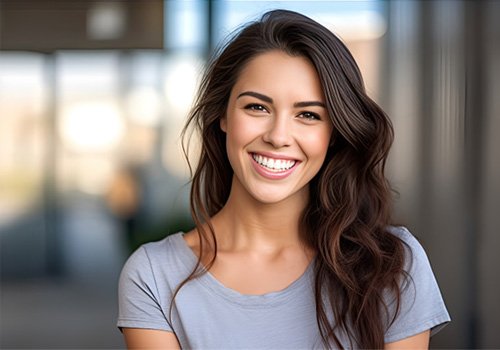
(299, 286)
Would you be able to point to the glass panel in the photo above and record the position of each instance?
(22, 104)
(23, 127)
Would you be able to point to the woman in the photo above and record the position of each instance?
(293, 246)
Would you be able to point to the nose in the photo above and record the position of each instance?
(278, 133)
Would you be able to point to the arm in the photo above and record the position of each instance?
(422, 310)
(141, 315)
(419, 341)
(137, 338)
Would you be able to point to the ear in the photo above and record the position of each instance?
(223, 123)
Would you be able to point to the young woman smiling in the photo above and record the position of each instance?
(293, 246)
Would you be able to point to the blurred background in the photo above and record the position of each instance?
(93, 95)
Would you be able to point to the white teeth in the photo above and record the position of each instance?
(273, 164)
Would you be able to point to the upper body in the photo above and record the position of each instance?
(209, 315)
(291, 208)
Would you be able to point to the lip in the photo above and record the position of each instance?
(270, 174)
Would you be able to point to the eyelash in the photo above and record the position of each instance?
(260, 108)
(256, 107)
(310, 116)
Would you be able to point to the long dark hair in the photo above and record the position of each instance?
(357, 261)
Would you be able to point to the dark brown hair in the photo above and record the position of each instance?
(357, 261)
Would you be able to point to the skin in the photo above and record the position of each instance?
(276, 108)
(257, 230)
(153, 339)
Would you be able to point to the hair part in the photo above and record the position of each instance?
(357, 260)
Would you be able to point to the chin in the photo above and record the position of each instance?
(270, 197)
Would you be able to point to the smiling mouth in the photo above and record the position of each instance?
(274, 164)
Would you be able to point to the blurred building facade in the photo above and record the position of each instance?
(441, 69)
(93, 95)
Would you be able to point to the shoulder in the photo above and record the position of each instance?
(416, 265)
(421, 304)
(147, 283)
(148, 253)
(414, 251)
(405, 235)
(162, 262)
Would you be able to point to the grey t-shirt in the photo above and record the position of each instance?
(209, 315)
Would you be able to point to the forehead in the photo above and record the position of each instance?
(277, 72)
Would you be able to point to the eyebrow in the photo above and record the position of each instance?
(256, 95)
(309, 103)
(270, 100)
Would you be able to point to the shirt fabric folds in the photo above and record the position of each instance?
(208, 315)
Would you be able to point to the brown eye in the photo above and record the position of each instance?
(309, 116)
(256, 107)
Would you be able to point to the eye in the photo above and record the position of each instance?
(256, 107)
(309, 116)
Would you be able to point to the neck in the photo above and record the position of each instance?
(244, 223)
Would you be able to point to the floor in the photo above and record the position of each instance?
(50, 314)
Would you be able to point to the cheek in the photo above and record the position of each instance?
(316, 144)
(236, 137)
(242, 130)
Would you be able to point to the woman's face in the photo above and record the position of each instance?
(277, 127)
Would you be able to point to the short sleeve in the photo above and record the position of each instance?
(422, 306)
(138, 297)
